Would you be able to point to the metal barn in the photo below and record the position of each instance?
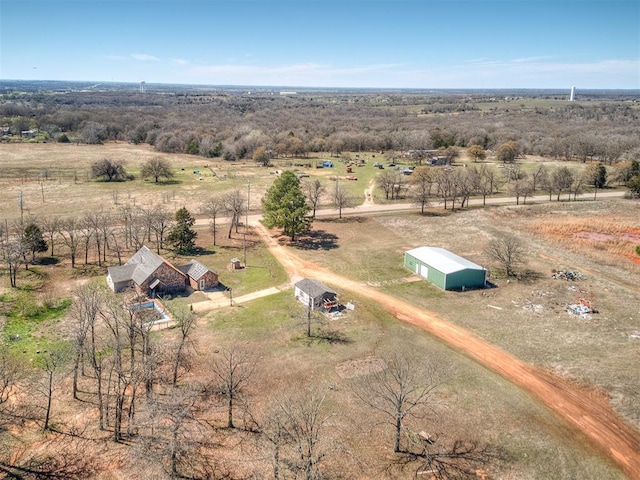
(445, 269)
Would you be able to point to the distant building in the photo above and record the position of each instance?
(445, 269)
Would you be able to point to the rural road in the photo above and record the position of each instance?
(369, 207)
(589, 414)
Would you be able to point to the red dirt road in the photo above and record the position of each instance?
(588, 413)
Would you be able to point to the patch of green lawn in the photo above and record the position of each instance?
(25, 315)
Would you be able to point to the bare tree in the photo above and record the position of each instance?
(212, 208)
(447, 186)
(521, 187)
(561, 181)
(84, 313)
(12, 251)
(160, 223)
(313, 191)
(386, 181)
(404, 389)
(53, 363)
(538, 176)
(297, 433)
(186, 322)
(11, 373)
(342, 199)
(509, 251)
(172, 432)
(70, 232)
(157, 168)
(51, 226)
(422, 182)
(231, 375)
(234, 206)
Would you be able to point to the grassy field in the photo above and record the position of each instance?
(525, 317)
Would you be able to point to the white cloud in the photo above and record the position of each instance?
(143, 57)
(180, 61)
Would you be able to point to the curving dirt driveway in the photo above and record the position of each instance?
(589, 414)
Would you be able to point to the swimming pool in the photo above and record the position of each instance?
(164, 317)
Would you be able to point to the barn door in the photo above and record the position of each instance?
(423, 270)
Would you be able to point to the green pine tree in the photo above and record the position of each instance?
(182, 237)
(285, 206)
(34, 241)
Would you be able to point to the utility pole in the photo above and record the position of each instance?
(246, 222)
(21, 203)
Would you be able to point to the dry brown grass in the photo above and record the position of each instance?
(59, 174)
(613, 236)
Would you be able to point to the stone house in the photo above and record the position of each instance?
(150, 274)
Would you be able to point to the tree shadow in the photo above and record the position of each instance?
(346, 219)
(201, 251)
(318, 240)
(47, 261)
(528, 276)
(166, 182)
(332, 337)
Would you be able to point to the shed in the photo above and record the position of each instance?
(444, 268)
(316, 294)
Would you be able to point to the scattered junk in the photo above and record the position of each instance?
(634, 334)
(534, 307)
(350, 306)
(583, 309)
(566, 275)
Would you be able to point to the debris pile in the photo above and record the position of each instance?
(582, 309)
(566, 275)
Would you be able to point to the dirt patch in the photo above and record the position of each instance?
(360, 367)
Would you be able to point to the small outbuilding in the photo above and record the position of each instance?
(445, 269)
(316, 294)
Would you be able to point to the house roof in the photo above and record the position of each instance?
(146, 263)
(442, 260)
(194, 269)
(139, 267)
(313, 288)
(122, 273)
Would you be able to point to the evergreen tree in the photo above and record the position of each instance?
(182, 237)
(34, 241)
(285, 206)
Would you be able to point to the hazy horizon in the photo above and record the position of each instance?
(365, 44)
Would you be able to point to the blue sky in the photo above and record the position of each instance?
(326, 43)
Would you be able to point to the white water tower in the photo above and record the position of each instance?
(143, 85)
(572, 96)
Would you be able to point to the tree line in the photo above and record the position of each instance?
(236, 126)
